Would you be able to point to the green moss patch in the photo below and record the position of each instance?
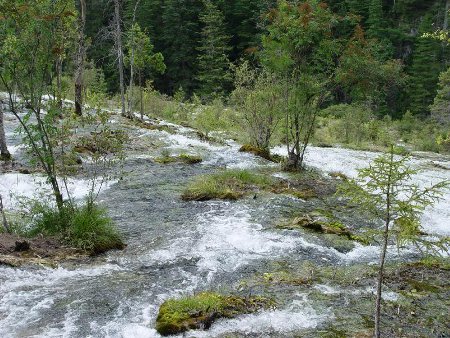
(184, 158)
(264, 153)
(286, 278)
(322, 226)
(227, 185)
(200, 311)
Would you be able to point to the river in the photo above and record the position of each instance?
(177, 248)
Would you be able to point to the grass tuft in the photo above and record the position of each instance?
(185, 158)
(86, 227)
(227, 185)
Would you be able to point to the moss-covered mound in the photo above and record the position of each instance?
(322, 226)
(264, 153)
(200, 311)
(184, 158)
(228, 185)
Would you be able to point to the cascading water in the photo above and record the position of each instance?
(177, 248)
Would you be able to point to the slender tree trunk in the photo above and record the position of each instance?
(4, 220)
(4, 153)
(130, 98)
(57, 193)
(142, 96)
(119, 50)
(446, 14)
(377, 333)
(80, 60)
(59, 63)
(133, 46)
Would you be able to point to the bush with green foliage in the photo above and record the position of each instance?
(87, 227)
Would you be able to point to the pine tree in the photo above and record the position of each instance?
(213, 63)
(181, 37)
(376, 29)
(375, 22)
(385, 190)
(440, 109)
(424, 71)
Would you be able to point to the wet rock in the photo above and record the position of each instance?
(324, 226)
(317, 225)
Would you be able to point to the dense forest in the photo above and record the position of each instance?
(393, 30)
(224, 168)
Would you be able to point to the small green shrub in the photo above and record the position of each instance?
(86, 227)
(91, 229)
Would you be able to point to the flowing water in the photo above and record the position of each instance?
(177, 248)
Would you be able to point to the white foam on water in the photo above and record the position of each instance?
(297, 316)
(183, 141)
(436, 219)
(231, 239)
(25, 293)
(15, 185)
(13, 150)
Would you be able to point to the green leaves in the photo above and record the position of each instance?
(141, 49)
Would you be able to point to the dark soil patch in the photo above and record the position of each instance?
(16, 251)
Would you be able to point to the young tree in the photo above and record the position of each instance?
(30, 27)
(385, 191)
(258, 97)
(300, 47)
(117, 22)
(4, 153)
(440, 109)
(80, 56)
(141, 57)
(213, 63)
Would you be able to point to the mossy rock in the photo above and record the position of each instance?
(200, 311)
(317, 225)
(322, 226)
(190, 159)
(339, 175)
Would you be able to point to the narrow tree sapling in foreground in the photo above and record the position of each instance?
(385, 191)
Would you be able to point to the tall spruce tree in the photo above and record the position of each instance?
(213, 75)
(376, 29)
(181, 37)
(440, 109)
(425, 70)
(375, 22)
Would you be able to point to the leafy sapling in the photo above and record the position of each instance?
(385, 191)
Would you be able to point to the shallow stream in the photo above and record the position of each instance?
(177, 248)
